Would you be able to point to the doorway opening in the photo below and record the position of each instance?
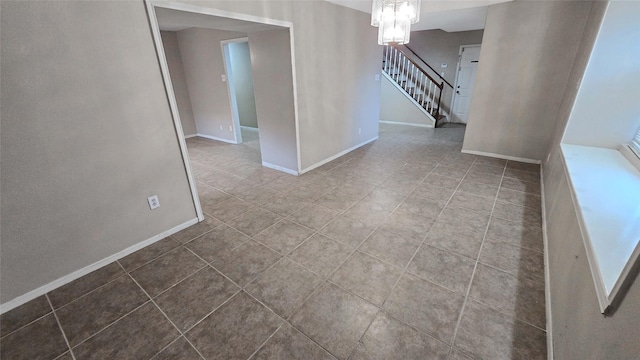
(468, 59)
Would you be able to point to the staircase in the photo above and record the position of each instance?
(414, 80)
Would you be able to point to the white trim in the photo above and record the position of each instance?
(190, 136)
(500, 156)
(394, 83)
(406, 123)
(216, 138)
(279, 168)
(22, 299)
(231, 91)
(318, 164)
(173, 105)
(630, 154)
(547, 274)
(249, 128)
(296, 115)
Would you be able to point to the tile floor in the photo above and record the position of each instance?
(402, 249)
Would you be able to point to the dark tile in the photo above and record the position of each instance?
(520, 198)
(518, 214)
(254, 221)
(521, 185)
(390, 247)
(290, 344)
(487, 334)
(457, 355)
(22, 315)
(529, 237)
(246, 262)
(235, 330)
(138, 335)
(196, 230)
(484, 160)
(284, 286)
(408, 225)
(443, 268)
(83, 285)
(367, 277)
(284, 236)
(388, 338)
(426, 306)
(532, 177)
(321, 254)
(520, 262)
(337, 200)
(455, 238)
(41, 339)
(313, 216)
(472, 202)
(148, 253)
(65, 356)
(478, 188)
(515, 165)
(216, 243)
(229, 209)
(347, 231)
(195, 297)
(178, 350)
(167, 270)
(91, 313)
(517, 297)
(334, 319)
(486, 169)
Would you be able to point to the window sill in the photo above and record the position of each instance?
(605, 189)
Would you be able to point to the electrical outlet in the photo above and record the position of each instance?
(230, 128)
(154, 203)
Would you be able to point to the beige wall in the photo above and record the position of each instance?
(527, 52)
(87, 136)
(240, 60)
(337, 57)
(395, 106)
(203, 67)
(273, 84)
(179, 82)
(579, 330)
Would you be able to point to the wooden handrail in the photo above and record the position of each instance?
(439, 84)
(429, 66)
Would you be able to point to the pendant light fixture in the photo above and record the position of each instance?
(394, 19)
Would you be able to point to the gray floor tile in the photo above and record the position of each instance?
(422, 206)
(486, 169)
(368, 212)
(91, 313)
(458, 355)
(485, 178)
(466, 219)
(284, 287)
(432, 192)
(195, 297)
(390, 247)
(138, 335)
(426, 306)
(335, 319)
(442, 181)
(290, 344)
(254, 221)
(285, 205)
(532, 177)
(487, 334)
(338, 201)
(453, 172)
(514, 233)
(518, 214)
(516, 297)
(367, 277)
(472, 202)
(408, 225)
(347, 231)
(284, 236)
(524, 166)
(244, 263)
(73, 290)
(178, 350)
(215, 244)
(196, 230)
(388, 338)
(520, 185)
(520, 198)
(313, 216)
(520, 262)
(455, 238)
(321, 254)
(399, 185)
(387, 200)
(148, 253)
(229, 209)
(478, 188)
(39, 340)
(443, 268)
(484, 160)
(167, 270)
(22, 315)
(235, 330)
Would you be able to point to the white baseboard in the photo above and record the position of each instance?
(318, 164)
(406, 123)
(547, 276)
(500, 156)
(190, 136)
(279, 168)
(249, 128)
(216, 138)
(22, 299)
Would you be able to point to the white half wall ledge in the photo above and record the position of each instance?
(406, 123)
(22, 299)
(217, 138)
(547, 275)
(190, 136)
(500, 156)
(329, 159)
(280, 168)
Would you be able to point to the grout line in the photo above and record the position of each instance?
(264, 342)
(64, 335)
(25, 325)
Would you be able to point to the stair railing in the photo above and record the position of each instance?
(413, 79)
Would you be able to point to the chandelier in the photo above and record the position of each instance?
(394, 19)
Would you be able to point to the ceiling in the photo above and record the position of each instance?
(176, 20)
(448, 15)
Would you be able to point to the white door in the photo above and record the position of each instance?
(465, 78)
